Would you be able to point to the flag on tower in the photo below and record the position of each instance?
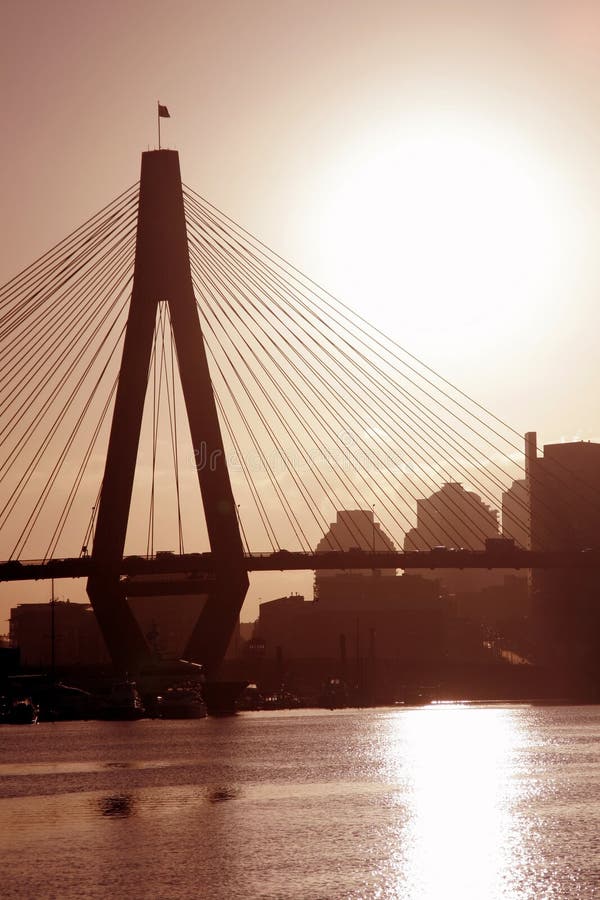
(163, 112)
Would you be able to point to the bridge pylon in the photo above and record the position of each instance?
(162, 274)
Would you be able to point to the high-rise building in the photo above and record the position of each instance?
(565, 497)
(455, 517)
(564, 486)
(354, 528)
(516, 517)
(452, 517)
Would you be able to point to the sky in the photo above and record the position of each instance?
(433, 164)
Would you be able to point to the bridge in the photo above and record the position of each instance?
(292, 406)
(202, 564)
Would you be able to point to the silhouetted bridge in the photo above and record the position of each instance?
(319, 412)
(199, 567)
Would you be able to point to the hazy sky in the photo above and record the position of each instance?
(433, 163)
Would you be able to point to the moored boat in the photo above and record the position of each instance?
(21, 711)
(180, 703)
(123, 704)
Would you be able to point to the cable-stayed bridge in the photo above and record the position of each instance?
(167, 377)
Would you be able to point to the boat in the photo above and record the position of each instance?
(180, 703)
(334, 694)
(221, 696)
(60, 702)
(123, 704)
(281, 699)
(20, 711)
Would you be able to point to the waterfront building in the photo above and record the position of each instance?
(392, 617)
(565, 514)
(166, 624)
(73, 638)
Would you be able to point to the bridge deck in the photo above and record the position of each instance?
(282, 560)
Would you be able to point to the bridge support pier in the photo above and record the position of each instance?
(162, 273)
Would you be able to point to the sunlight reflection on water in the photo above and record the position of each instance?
(434, 803)
(460, 786)
(467, 780)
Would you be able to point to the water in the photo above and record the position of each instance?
(439, 802)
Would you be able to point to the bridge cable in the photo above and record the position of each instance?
(524, 524)
(277, 385)
(37, 270)
(203, 290)
(311, 385)
(192, 196)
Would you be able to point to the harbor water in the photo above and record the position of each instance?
(440, 802)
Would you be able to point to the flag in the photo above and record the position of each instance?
(163, 112)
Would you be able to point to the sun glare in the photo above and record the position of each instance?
(447, 226)
(459, 839)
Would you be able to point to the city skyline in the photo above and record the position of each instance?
(502, 155)
(290, 284)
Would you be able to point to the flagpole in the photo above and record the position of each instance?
(158, 120)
